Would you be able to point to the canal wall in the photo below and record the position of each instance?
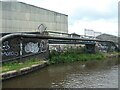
(23, 71)
(18, 48)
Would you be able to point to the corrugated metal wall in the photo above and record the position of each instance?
(21, 17)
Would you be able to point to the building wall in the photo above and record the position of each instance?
(21, 17)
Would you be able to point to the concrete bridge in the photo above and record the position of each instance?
(22, 45)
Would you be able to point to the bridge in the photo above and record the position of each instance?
(22, 45)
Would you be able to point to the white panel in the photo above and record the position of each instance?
(32, 17)
(27, 16)
(16, 24)
(13, 6)
(6, 15)
(53, 26)
(17, 16)
(66, 27)
(39, 18)
(20, 24)
(0, 14)
(1, 30)
(58, 26)
(62, 19)
(50, 18)
(49, 26)
(9, 23)
(14, 15)
(30, 25)
(18, 7)
(6, 6)
(58, 18)
(66, 19)
(0, 23)
(3, 23)
(34, 25)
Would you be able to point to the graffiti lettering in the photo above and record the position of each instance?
(36, 47)
(32, 47)
(43, 46)
(5, 46)
(10, 53)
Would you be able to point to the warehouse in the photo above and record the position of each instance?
(22, 17)
(108, 37)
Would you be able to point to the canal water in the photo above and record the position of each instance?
(89, 74)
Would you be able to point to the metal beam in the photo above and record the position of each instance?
(46, 37)
(69, 42)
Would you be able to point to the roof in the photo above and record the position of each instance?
(107, 35)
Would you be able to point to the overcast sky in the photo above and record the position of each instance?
(98, 15)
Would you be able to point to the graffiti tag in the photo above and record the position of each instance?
(43, 46)
(5, 48)
(10, 53)
(32, 47)
(36, 47)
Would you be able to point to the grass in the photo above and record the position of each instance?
(15, 65)
(74, 55)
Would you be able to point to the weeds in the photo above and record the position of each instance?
(72, 55)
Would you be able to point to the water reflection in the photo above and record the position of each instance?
(90, 74)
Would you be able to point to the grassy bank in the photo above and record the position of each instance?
(74, 55)
(68, 56)
(15, 65)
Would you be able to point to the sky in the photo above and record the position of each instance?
(97, 15)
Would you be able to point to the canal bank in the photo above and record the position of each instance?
(21, 69)
(14, 69)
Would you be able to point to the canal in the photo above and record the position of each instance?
(89, 74)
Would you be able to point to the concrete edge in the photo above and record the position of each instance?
(22, 71)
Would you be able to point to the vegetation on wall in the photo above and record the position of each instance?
(71, 55)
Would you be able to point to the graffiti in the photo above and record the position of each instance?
(36, 47)
(12, 53)
(5, 46)
(12, 49)
(43, 46)
(32, 47)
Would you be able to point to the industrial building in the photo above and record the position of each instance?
(21, 17)
(107, 37)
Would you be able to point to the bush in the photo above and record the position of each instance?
(72, 55)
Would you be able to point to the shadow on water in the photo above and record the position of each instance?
(89, 74)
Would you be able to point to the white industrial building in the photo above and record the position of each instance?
(22, 17)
